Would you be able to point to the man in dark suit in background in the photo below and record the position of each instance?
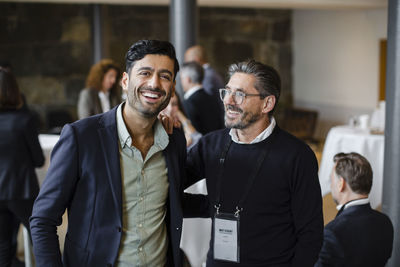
(212, 81)
(119, 175)
(202, 109)
(359, 235)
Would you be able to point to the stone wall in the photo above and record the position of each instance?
(49, 45)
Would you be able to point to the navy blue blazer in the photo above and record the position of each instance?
(358, 236)
(84, 177)
(20, 153)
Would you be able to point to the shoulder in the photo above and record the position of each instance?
(95, 122)
(88, 92)
(21, 116)
(291, 145)
(215, 139)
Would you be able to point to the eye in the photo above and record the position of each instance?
(240, 94)
(144, 73)
(165, 77)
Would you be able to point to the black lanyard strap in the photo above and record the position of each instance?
(251, 180)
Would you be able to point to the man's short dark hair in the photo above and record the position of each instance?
(150, 47)
(193, 70)
(355, 170)
(267, 82)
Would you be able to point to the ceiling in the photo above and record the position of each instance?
(296, 4)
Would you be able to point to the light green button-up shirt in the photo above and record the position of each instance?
(144, 194)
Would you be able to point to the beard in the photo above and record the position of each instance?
(147, 110)
(245, 119)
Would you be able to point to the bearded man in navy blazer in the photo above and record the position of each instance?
(359, 235)
(119, 176)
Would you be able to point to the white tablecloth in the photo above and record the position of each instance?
(347, 139)
(196, 232)
(47, 142)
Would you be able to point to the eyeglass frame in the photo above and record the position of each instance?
(241, 94)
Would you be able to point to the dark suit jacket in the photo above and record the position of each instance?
(204, 112)
(358, 236)
(85, 177)
(89, 102)
(20, 153)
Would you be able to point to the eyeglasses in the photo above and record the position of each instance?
(238, 96)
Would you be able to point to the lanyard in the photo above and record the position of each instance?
(251, 180)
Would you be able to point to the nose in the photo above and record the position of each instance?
(154, 81)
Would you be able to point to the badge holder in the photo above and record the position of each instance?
(226, 236)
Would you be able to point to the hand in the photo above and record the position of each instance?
(168, 122)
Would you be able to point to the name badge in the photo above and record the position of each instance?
(226, 237)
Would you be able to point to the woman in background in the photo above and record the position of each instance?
(102, 89)
(20, 153)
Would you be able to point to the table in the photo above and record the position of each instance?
(196, 232)
(349, 139)
(47, 142)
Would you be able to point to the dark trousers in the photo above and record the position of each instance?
(10, 212)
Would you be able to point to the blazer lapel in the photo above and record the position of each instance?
(109, 146)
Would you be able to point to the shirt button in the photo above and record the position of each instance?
(177, 228)
(141, 199)
(140, 225)
(140, 249)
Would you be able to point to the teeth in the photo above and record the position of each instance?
(150, 95)
(233, 112)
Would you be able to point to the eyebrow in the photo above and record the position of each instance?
(160, 71)
(237, 89)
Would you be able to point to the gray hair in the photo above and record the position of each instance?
(267, 82)
(193, 70)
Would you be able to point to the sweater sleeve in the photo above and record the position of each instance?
(306, 208)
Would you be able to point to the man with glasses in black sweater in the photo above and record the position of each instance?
(263, 189)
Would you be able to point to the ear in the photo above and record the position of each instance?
(269, 104)
(341, 184)
(125, 81)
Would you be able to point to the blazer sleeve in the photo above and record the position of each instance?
(306, 208)
(331, 253)
(31, 137)
(54, 197)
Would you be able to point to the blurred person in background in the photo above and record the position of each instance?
(212, 81)
(175, 111)
(102, 89)
(359, 235)
(20, 153)
(202, 109)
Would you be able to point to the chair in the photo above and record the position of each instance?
(56, 119)
(301, 123)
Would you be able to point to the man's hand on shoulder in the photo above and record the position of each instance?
(168, 122)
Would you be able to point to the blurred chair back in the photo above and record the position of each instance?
(56, 119)
(300, 122)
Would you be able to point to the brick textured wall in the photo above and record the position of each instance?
(49, 45)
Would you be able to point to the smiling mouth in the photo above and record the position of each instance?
(152, 95)
(232, 111)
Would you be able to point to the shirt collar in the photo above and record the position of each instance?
(161, 138)
(191, 91)
(356, 202)
(261, 137)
